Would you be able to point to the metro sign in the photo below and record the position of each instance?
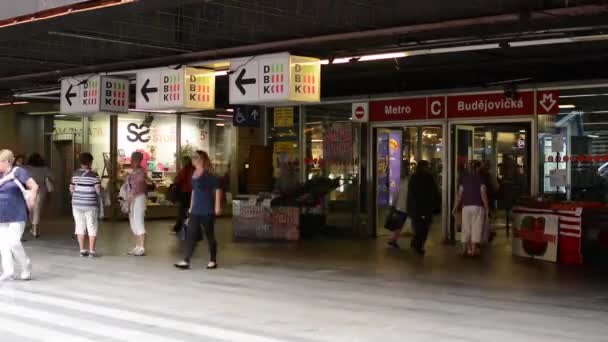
(176, 89)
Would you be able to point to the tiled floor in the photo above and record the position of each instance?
(318, 290)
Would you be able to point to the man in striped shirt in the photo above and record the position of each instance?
(86, 189)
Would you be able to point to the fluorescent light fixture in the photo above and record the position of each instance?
(13, 103)
(383, 56)
(152, 111)
(43, 113)
(567, 106)
(581, 95)
(230, 110)
(522, 131)
(593, 136)
(60, 116)
(317, 140)
(221, 73)
(224, 116)
(220, 124)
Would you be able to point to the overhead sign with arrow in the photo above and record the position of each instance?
(175, 89)
(274, 78)
(94, 94)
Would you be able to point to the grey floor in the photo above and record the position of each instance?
(318, 290)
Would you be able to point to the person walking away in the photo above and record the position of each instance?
(41, 174)
(137, 204)
(472, 195)
(14, 203)
(423, 200)
(205, 206)
(183, 182)
(400, 213)
(85, 188)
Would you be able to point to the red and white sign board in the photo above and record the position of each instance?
(360, 112)
(547, 102)
(535, 233)
(436, 107)
(492, 104)
(399, 110)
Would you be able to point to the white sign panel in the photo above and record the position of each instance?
(244, 83)
(557, 143)
(360, 112)
(148, 90)
(171, 88)
(274, 75)
(86, 95)
(535, 235)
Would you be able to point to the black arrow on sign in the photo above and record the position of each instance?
(240, 82)
(69, 95)
(145, 90)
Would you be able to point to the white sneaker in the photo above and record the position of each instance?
(6, 277)
(26, 273)
(137, 252)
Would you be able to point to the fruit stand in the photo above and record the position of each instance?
(564, 232)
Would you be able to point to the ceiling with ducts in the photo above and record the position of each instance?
(32, 55)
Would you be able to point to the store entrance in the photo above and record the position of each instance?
(397, 152)
(504, 149)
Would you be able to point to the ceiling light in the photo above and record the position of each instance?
(152, 111)
(567, 106)
(13, 103)
(43, 113)
(220, 124)
(60, 116)
(522, 131)
(593, 136)
(221, 73)
(230, 110)
(383, 56)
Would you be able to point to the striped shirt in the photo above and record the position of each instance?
(84, 183)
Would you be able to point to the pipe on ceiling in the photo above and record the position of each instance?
(299, 42)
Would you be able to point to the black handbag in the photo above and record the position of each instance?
(182, 234)
(395, 219)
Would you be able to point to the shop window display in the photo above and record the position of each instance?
(573, 147)
(212, 135)
(155, 137)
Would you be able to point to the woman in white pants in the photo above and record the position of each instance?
(14, 204)
(137, 204)
(473, 196)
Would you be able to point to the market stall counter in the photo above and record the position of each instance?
(566, 232)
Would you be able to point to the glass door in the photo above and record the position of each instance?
(397, 152)
(504, 151)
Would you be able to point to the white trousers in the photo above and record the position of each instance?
(86, 220)
(11, 248)
(473, 218)
(137, 215)
(37, 210)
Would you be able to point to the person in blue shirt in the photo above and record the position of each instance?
(18, 192)
(204, 207)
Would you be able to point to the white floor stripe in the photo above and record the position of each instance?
(88, 326)
(137, 318)
(37, 333)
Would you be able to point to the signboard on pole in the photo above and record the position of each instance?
(183, 88)
(93, 94)
(274, 78)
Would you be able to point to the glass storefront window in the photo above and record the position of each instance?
(283, 123)
(212, 135)
(573, 147)
(332, 150)
(155, 137)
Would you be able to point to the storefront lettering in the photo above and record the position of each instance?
(394, 110)
(138, 133)
(485, 105)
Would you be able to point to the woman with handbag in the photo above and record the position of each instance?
(205, 206)
(14, 203)
(41, 174)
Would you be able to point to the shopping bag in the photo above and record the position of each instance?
(395, 219)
